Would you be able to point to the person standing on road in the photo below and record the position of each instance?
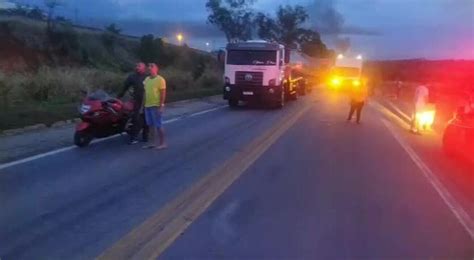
(422, 94)
(469, 103)
(398, 89)
(155, 96)
(135, 80)
(358, 95)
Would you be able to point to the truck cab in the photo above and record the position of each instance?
(346, 72)
(257, 71)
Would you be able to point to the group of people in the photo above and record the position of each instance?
(358, 95)
(149, 95)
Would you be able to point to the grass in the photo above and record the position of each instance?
(55, 69)
(47, 114)
(51, 112)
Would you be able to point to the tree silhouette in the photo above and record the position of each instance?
(233, 17)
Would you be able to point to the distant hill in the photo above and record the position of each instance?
(26, 46)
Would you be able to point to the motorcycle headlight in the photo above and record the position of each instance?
(85, 108)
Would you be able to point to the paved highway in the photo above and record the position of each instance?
(300, 182)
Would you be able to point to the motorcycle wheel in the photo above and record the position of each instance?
(82, 139)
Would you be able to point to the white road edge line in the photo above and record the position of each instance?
(466, 221)
(206, 111)
(68, 148)
(399, 110)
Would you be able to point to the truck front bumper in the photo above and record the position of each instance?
(252, 93)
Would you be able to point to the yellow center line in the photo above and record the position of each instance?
(151, 238)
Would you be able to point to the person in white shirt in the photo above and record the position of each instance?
(421, 100)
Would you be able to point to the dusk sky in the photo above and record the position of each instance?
(380, 29)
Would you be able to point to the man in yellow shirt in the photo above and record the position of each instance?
(155, 95)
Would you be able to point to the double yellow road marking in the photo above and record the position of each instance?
(154, 235)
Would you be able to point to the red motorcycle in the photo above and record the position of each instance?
(102, 116)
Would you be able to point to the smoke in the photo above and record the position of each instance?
(325, 17)
(342, 44)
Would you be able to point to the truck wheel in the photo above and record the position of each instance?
(82, 139)
(233, 103)
(281, 102)
(303, 90)
(294, 96)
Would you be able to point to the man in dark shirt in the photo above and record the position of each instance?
(135, 80)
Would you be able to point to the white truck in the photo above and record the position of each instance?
(346, 72)
(258, 71)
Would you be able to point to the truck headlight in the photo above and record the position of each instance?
(336, 81)
(227, 88)
(272, 82)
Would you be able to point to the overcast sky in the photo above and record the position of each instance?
(379, 29)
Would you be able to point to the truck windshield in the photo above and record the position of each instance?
(346, 71)
(250, 57)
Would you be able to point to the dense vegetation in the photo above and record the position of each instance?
(43, 71)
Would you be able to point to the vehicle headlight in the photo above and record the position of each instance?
(272, 82)
(356, 82)
(227, 88)
(426, 117)
(336, 81)
(85, 108)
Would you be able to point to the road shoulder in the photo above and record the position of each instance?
(38, 141)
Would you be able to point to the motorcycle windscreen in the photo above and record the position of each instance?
(99, 95)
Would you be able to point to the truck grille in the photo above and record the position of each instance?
(245, 78)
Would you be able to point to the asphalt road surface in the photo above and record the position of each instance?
(300, 182)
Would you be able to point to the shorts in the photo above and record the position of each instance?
(153, 117)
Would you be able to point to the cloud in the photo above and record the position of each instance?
(357, 30)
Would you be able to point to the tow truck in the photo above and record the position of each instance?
(258, 71)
